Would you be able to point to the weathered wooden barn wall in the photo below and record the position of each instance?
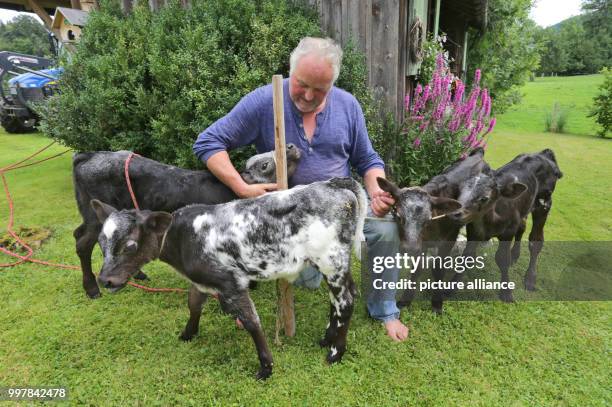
(378, 29)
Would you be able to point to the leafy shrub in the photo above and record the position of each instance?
(441, 126)
(602, 104)
(556, 120)
(151, 82)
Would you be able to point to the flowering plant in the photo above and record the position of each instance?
(443, 123)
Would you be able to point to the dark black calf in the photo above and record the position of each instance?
(526, 185)
(157, 186)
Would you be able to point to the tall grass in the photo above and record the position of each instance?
(556, 120)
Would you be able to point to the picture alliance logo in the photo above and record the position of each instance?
(412, 263)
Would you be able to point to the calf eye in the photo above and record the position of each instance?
(264, 166)
(484, 199)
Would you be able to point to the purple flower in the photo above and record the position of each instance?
(477, 77)
(439, 62)
(459, 92)
(407, 101)
(417, 142)
(491, 126)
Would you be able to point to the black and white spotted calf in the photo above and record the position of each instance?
(221, 248)
(158, 187)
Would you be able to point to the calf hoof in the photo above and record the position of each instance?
(263, 373)
(506, 296)
(252, 285)
(141, 276)
(529, 284)
(438, 310)
(186, 336)
(93, 293)
(436, 307)
(324, 343)
(403, 304)
(334, 355)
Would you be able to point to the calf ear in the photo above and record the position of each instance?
(389, 187)
(102, 210)
(513, 190)
(444, 205)
(158, 222)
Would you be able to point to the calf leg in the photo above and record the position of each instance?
(141, 275)
(408, 295)
(516, 249)
(502, 258)
(240, 306)
(195, 302)
(341, 293)
(536, 241)
(437, 298)
(86, 237)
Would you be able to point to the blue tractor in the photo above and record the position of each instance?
(33, 81)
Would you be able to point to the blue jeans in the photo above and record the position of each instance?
(382, 238)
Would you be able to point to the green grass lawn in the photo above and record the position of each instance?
(123, 349)
(574, 94)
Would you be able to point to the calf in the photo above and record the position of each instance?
(221, 248)
(526, 185)
(157, 186)
(420, 211)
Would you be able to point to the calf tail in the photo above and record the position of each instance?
(362, 211)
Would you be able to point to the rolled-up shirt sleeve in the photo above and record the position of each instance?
(236, 129)
(363, 157)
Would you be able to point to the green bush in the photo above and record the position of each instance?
(556, 120)
(602, 104)
(151, 82)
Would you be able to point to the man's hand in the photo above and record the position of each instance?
(254, 190)
(381, 202)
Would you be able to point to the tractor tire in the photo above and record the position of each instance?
(16, 125)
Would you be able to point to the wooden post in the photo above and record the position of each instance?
(285, 317)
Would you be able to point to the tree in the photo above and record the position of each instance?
(597, 23)
(26, 35)
(602, 105)
(507, 52)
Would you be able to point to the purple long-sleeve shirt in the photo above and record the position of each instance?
(340, 138)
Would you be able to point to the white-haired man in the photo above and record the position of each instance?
(328, 125)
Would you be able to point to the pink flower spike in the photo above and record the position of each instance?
(407, 101)
(416, 143)
(491, 125)
(477, 77)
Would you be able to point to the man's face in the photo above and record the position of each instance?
(310, 83)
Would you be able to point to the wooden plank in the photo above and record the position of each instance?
(40, 12)
(286, 311)
(336, 20)
(356, 29)
(402, 54)
(367, 29)
(346, 30)
(385, 22)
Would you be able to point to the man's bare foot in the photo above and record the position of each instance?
(396, 330)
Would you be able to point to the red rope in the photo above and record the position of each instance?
(30, 251)
(126, 170)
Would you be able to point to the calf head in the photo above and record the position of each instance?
(261, 168)
(129, 239)
(479, 194)
(415, 208)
